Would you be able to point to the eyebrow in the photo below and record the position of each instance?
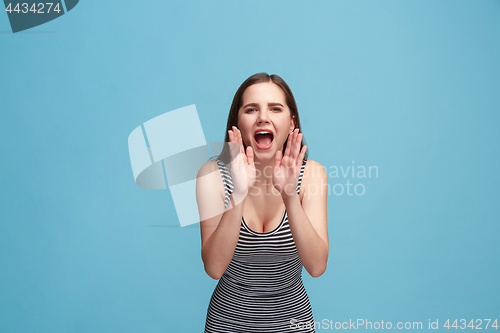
(269, 104)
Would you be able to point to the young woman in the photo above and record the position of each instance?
(263, 215)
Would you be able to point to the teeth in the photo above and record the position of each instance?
(263, 133)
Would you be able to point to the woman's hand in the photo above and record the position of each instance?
(242, 165)
(287, 166)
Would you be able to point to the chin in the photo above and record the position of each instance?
(264, 154)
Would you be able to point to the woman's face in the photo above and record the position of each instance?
(264, 110)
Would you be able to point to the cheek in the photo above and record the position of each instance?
(245, 125)
(243, 121)
(285, 124)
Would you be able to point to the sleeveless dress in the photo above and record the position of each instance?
(261, 290)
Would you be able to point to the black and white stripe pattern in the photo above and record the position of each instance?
(261, 289)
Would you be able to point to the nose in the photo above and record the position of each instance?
(263, 117)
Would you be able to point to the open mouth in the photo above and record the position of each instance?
(264, 139)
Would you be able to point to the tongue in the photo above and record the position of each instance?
(263, 139)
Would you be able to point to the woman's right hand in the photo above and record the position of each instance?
(242, 165)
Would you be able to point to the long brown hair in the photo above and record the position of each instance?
(232, 119)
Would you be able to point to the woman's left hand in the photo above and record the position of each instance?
(287, 166)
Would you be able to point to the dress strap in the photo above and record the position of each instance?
(302, 168)
(227, 179)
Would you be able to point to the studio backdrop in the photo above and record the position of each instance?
(398, 101)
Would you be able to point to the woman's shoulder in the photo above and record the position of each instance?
(313, 168)
(209, 176)
(314, 173)
(207, 168)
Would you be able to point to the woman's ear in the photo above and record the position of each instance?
(292, 123)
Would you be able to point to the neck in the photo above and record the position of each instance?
(264, 182)
(264, 165)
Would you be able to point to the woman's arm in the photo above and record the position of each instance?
(219, 230)
(308, 220)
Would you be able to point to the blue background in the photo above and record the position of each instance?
(408, 86)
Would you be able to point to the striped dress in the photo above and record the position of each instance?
(261, 289)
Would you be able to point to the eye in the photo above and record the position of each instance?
(277, 109)
(249, 110)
